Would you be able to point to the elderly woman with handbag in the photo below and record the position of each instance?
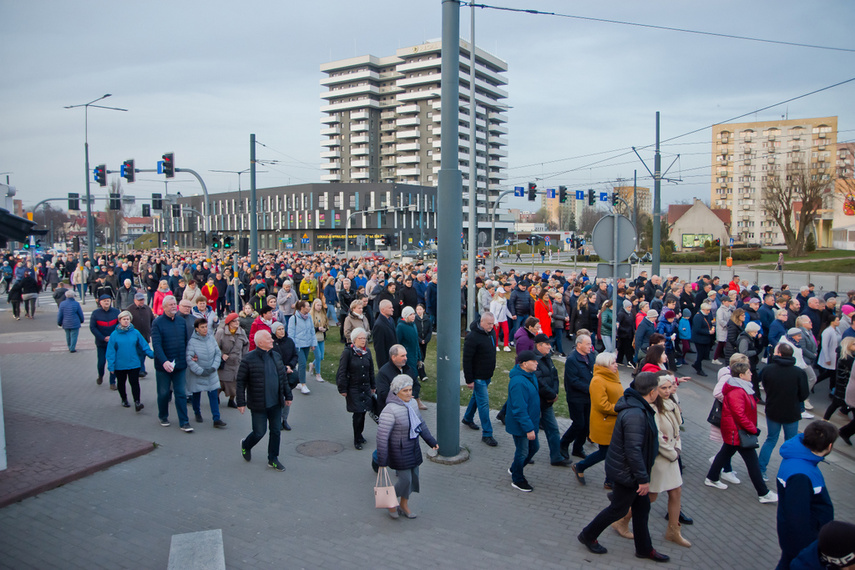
(398, 447)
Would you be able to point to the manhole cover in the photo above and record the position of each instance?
(319, 448)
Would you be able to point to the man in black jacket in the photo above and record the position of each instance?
(519, 306)
(142, 318)
(262, 385)
(703, 335)
(384, 333)
(396, 366)
(633, 448)
(479, 364)
(547, 387)
(578, 371)
(408, 295)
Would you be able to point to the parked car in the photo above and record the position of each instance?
(374, 256)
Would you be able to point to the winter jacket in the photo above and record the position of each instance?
(355, 379)
(209, 315)
(70, 314)
(122, 349)
(523, 413)
(578, 371)
(808, 346)
(125, 297)
(102, 324)
(479, 354)
(169, 338)
(667, 329)
(731, 342)
(520, 304)
(251, 380)
(286, 349)
(384, 377)
(666, 471)
(541, 311)
(626, 324)
(547, 380)
(302, 331)
(605, 391)
(642, 335)
(606, 323)
(236, 347)
(499, 308)
(722, 317)
(258, 324)
(202, 373)
(330, 295)
(430, 298)
(354, 321)
(395, 449)
(408, 337)
(777, 330)
(804, 504)
(739, 411)
(701, 324)
(634, 443)
(684, 329)
(786, 388)
(844, 369)
(750, 347)
(425, 329)
(828, 353)
(409, 297)
(523, 340)
(384, 335)
(142, 318)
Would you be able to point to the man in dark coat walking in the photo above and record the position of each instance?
(384, 333)
(479, 364)
(578, 371)
(169, 336)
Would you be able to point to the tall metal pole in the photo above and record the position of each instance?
(473, 179)
(207, 209)
(635, 198)
(657, 215)
(450, 202)
(90, 226)
(253, 214)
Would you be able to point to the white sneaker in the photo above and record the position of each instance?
(717, 361)
(305, 389)
(770, 497)
(318, 378)
(730, 477)
(807, 416)
(498, 349)
(716, 484)
(808, 405)
(507, 349)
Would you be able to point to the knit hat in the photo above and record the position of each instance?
(687, 313)
(525, 356)
(836, 543)
(627, 304)
(540, 338)
(407, 312)
(653, 313)
(794, 331)
(669, 314)
(230, 317)
(275, 327)
(848, 309)
(260, 286)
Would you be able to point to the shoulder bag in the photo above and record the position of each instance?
(384, 491)
(714, 416)
(748, 440)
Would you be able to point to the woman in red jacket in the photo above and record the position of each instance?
(739, 416)
(543, 312)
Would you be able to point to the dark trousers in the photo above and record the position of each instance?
(422, 357)
(577, 433)
(624, 350)
(703, 354)
(622, 498)
(221, 306)
(102, 362)
(749, 456)
(271, 417)
(133, 377)
(358, 426)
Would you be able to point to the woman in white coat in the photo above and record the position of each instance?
(827, 358)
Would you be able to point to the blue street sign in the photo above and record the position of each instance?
(421, 243)
(568, 240)
(731, 242)
(507, 242)
(580, 194)
(160, 167)
(304, 240)
(550, 193)
(519, 191)
(546, 239)
(604, 196)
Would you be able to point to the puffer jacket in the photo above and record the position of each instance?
(355, 379)
(731, 344)
(169, 338)
(425, 329)
(625, 324)
(479, 354)
(722, 317)
(523, 340)
(523, 415)
(202, 372)
(395, 449)
(70, 315)
(739, 411)
(577, 376)
(520, 304)
(302, 330)
(605, 391)
(547, 380)
(844, 369)
(635, 441)
(236, 347)
(251, 380)
(122, 349)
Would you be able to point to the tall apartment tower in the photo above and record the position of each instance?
(382, 115)
(744, 155)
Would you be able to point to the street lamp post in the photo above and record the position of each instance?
(240, 200)
(90, 229)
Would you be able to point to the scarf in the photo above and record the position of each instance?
(267, 322)
(359, 351)
(415, 419)
(124, 329)
(740, 383)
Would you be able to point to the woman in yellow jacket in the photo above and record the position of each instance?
(308, 288)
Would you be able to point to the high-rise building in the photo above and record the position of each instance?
(381, 123)
(645, 200)
(744, 155)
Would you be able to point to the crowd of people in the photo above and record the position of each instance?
(257, 337)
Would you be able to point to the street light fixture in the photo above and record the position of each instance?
(240, 199)
(90, 229)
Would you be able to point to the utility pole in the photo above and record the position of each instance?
(473, 179)
(253, 214)
(635, 199)
(657, 214)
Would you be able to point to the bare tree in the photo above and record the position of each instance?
(780, 196)
(114, 218)
(589, 219)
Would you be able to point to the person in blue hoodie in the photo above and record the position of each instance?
(123, 358)
(70, 317)
(523, 416)
(804, 504)
(684, 333)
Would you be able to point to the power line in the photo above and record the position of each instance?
(655, 27)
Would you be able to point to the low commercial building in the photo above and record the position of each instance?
(691, 225)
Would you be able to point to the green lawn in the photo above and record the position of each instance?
(767, 256)
(833, 266)
(498, 387)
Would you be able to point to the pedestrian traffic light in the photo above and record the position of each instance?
(27, 244)
(128, 170)
(169, 164)
(115, 201)
(532, 191)
(718, 242)
(156, 202)
(146, 211)
(592, 197)
(562, 194)
(227, 242)
(215, 242)
(73, 201)
(101, 175)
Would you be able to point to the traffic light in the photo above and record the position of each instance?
(592, 197)
(615, 199)
(128, 170)
(532, 191)
(115, 201)
(146, 210)
(156, 202)
(27, 244)
(718, 242)
(215, 242)
(227, 242)
(528, 240)
(73, 201)
(562, 194)
(75, 244)
(169, 165)
(101, 175)
(176, 210)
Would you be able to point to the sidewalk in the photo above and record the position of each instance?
(319, 513)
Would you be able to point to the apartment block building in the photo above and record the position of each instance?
(382, 122)
(745, 155)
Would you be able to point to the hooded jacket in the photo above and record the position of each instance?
(122, 349)
(523, 414)
(786, 388)
(634, 443)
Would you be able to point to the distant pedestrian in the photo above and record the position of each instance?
(779, 266)
(70, 318)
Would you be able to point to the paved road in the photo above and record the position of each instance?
(319, 513)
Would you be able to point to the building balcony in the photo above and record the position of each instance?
(387, 139)
(418, 65)
(412, 134)
(498, 152)
(420, 79)
(362, 115)
(332, 95)
(349, 77)
(331, 177)
(359, 127)
(362, 102)
(388, 163)
(498, 129)
(331, 154)
(331, 142)
(360, 163)
(359, 139)
(330, 119)
(497, 163)
(331, 131)
(388, 115)
(331, 165)
(407, 109)
(408, 122)
(388, 127)
(388, 151)
(408, 159)
(408, 147)
(361, 175)
(361, 151)
(417, 95)
(409, 172)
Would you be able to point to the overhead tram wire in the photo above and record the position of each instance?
(655, 27)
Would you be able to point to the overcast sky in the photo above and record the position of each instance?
(199, 77)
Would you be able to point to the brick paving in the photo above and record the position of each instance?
(319, 513)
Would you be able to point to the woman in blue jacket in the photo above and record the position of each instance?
(123, 359)
(70, 317)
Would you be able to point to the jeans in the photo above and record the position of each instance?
(593, 459)
(749, 456)
(141, 354)
(481, 399)
(272, 416)
(302, 357)
(71, 339)
(622, 498)
(577, 433)
(168, 382)
(607, 342)
(102, 363)
(332, 315)
(550, 429)
(556, 341)
(213, 399)
(523, 452)
(319, 356)
(773, 430)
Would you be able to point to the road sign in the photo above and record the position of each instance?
(550, 193)
(731, 242)
(546, 239)
(421, 243)
(604, 238)
(304, 240)
(605, 270)
(519, 191)
(507, 242)
(580, 194)
(568, 240)
(604, 196)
